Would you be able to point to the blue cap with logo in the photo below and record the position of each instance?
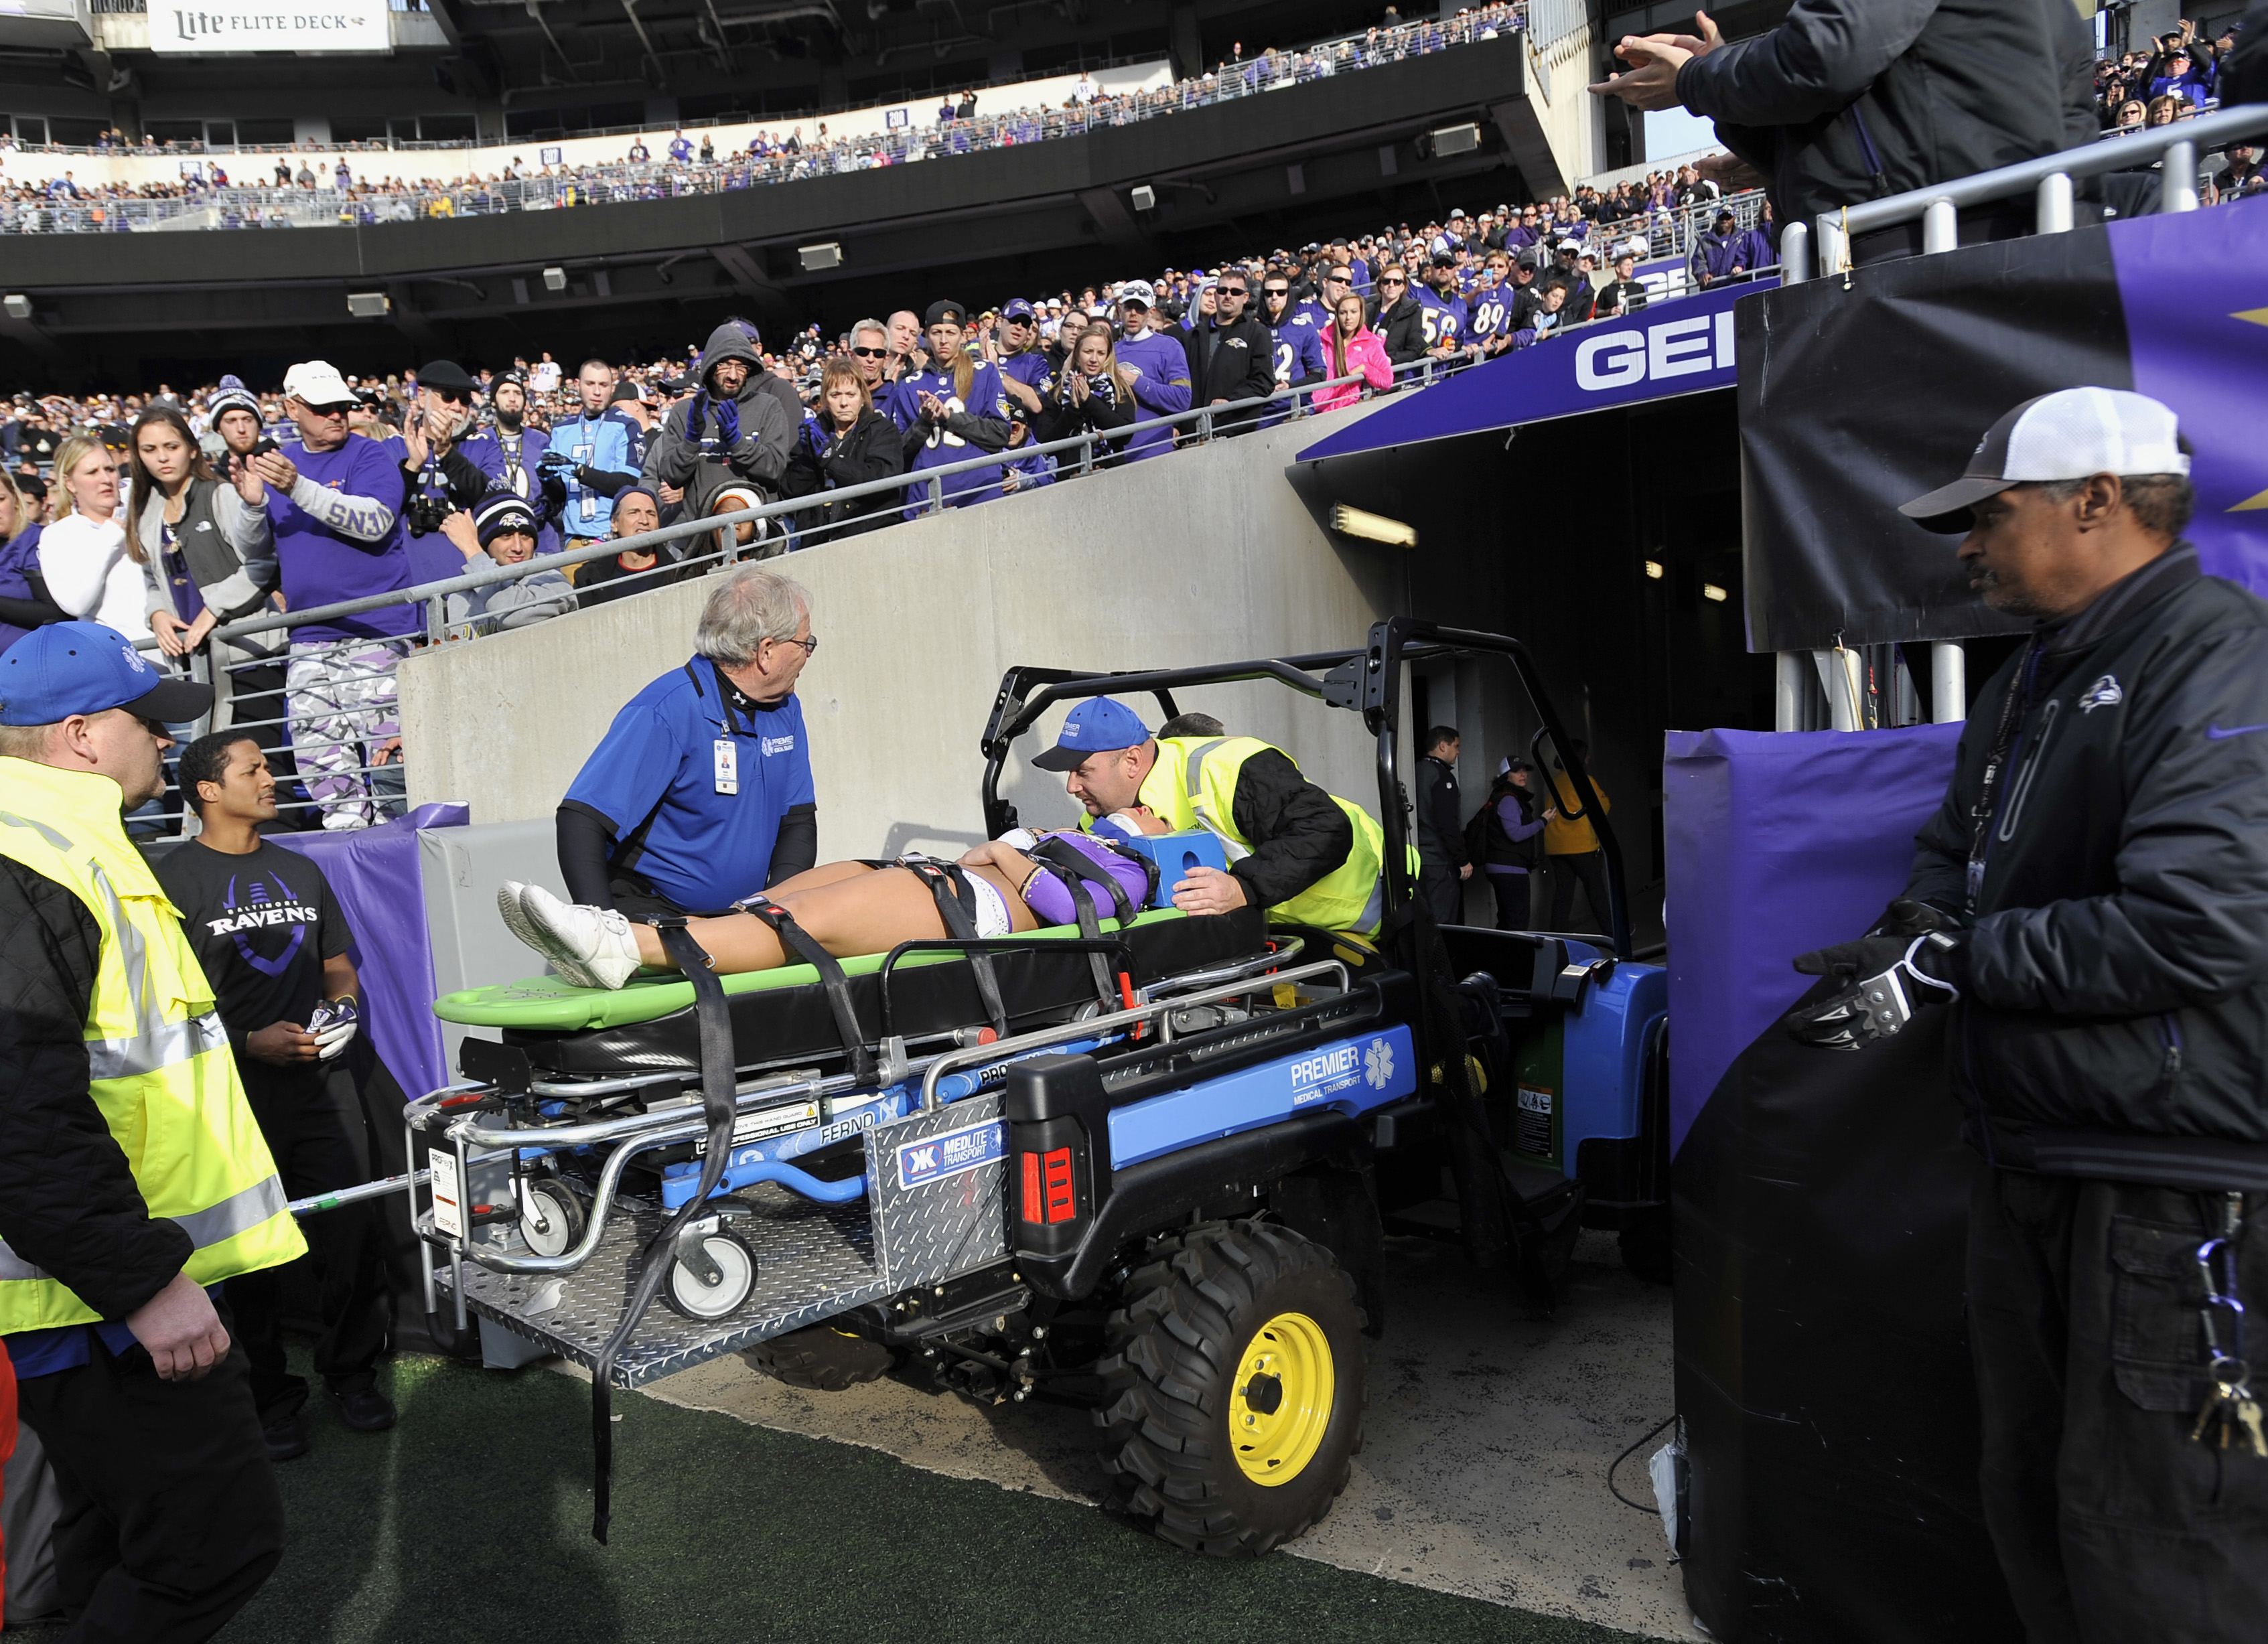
(1098, 725)
(1016, 308)
(68, 667)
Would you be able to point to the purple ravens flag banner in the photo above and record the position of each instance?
(1682, 347)
(1854, 399)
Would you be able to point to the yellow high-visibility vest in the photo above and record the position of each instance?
(162, 1073)
(1193, 784)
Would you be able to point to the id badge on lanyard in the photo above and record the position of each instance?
(728, 765)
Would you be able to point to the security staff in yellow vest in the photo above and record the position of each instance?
(133, 1179)
(1306, 856)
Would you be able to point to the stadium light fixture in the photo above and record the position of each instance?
(1452, 140)
(1709, 590)
(554, 279)
(17, 304)
(814, 258)
(1654, 570)
(1355, 522)
(368, 305)
(1144, 198)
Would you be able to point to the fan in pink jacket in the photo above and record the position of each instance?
(1349, 346)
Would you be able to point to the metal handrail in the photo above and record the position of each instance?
(2050, 177)
(1822, 247)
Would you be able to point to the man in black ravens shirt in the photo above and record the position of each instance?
(274, 945)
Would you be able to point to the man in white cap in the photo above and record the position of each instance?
(336, 505)
(1163, 387)
(2092, 901)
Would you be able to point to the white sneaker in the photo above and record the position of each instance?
(590, 947)
(508, 895)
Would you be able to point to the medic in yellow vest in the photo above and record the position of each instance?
(1306, 856)
(185, 1194)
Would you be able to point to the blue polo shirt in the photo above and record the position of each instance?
(656, 777)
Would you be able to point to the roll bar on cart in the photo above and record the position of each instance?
(1367, 681)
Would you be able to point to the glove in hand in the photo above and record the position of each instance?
(1884, 979)
(697, 419)
(556, 465)
(728, 423)
(333, 1022)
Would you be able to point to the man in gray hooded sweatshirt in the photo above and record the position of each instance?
(735, 432)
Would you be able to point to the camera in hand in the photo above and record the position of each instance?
(425, 513)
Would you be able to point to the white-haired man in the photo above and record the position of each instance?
(701, 792)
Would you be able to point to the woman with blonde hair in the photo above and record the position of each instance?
(1095, 390)
(91, 572)
(1351, 346)
(844, 442)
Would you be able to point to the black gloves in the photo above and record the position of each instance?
(1909, 961)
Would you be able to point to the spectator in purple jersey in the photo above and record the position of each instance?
(948, 412)
(1021, 357)
(1161, 384)
(24, 601)
(510, 452)
(334, 505)
(1298, 358)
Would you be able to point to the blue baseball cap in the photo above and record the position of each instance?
(68, 667)
(1016, 308)
(1098, 725)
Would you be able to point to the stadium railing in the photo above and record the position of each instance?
(1821, 248)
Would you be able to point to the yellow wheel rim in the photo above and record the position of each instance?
(1281, 1406)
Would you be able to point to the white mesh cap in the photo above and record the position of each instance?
(317, 383)
(2067, 435)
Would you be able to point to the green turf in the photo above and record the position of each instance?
(469, 1521)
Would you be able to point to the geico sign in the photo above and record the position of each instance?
(1676, 348)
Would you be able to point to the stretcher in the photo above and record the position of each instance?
(579, 1129)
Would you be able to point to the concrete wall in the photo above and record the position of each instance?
(1207, 555)
(1570, 116)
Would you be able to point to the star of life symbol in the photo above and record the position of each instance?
(1378, 1063)
(2104, 692)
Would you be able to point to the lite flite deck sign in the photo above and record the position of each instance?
(920, 1163)
(219, 26)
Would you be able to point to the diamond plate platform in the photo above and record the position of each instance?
(813, 1261)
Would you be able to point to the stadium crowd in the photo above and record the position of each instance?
(338, 189)
(166, 512)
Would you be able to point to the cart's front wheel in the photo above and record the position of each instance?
(693, 1295)
(1235, 1383)
(550, 1217)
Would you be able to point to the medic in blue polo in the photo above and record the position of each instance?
(701, 792)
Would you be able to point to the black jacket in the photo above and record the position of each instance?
(1105, 411)
(1402, 327)
(1440, 829)
(68, 1204)
(1297, 831)
(1849, 100)
(2114, 1017)
(820, 462)
(1230, 362)
(769, 412)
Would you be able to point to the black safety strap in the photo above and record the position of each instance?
(718, 1091)
(806, 947)
(956, 905)
(1077, 870)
